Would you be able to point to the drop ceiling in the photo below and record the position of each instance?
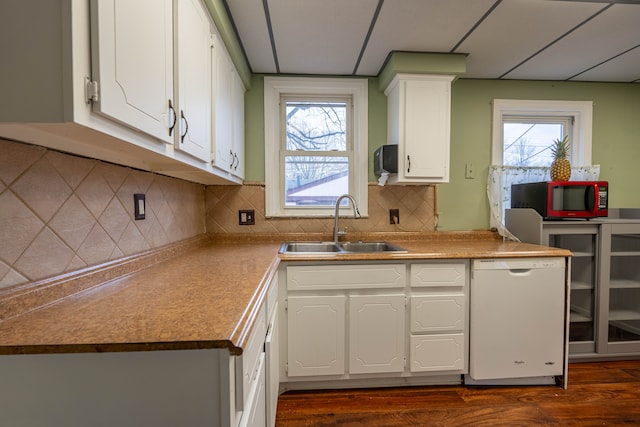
(576, 40)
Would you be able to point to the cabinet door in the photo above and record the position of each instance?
(194, 75)
(426, 127)
(376, 333)
(582, 241)
(238, 126)
(620, 304)
(223, 113)
(272, 353)
(132, 61)
(316, 335)
(255, 414)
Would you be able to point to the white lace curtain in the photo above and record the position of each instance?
(501, 178)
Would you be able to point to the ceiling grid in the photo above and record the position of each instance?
(577, 40)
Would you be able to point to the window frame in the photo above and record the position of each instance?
(277, 87)
(580, 111)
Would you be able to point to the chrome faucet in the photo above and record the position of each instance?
(356, 214)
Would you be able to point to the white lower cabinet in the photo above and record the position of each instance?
(438, 316)
(256, 414)
(376, 333)
(383, 323)
(316, 327)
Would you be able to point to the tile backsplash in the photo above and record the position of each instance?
(415, 203)
(60, 213)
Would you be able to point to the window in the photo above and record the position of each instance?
(523, 132)
(523, 129)
(315, 145)
(527, 141)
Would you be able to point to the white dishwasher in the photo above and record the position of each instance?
(517, 321)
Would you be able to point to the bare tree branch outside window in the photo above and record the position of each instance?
(316, 159)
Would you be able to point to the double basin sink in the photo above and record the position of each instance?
(290, 248)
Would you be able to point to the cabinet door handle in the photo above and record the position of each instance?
(232, 159)
(237, 162)
(172, 113)
(186, 126)
(408, 163)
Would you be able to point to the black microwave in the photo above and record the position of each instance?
(385, 159)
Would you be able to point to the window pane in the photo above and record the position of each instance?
(316, 126)
(529, 144)
(315, 180)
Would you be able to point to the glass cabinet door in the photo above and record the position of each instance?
(582, 242)
(623, 326)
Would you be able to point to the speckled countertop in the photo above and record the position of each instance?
(207, 297)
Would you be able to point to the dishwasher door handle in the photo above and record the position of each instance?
(520, 271)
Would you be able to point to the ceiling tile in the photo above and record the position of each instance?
(624, 68)
(320, 37)
(250, 21)
(610, 33)
(517, 29)
(419, 26)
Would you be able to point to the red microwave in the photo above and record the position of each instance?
(563, 199)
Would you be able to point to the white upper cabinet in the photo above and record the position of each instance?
(237, 167)
(134, 68)
(223, 114)
(228, 115)
(418, 115)
(193, 67)
(124, 81)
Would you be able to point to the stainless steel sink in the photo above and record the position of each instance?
(370, 247)
(309, 247)
(342, 247)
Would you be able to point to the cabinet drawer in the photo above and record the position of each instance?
(441, 352)
(247, 364)
(438, 313)
(309, 277)
(438, 274)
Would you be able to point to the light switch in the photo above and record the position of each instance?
(469, 171)
(139, 206)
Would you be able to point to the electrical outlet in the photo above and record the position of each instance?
(394, 216)
(246, 217)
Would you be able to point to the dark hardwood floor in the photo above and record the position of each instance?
(599, 394)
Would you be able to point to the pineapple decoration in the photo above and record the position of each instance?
(560, 168)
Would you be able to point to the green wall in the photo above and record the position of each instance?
(615, 146)
(463, 202)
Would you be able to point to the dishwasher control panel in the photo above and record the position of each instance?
(517, 263)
